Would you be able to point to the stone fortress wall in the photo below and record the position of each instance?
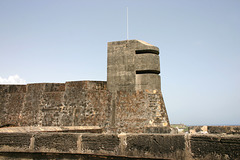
(123, 118)
(80, 103)
(130, 100)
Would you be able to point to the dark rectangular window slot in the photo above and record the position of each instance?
(147, 72)
(147, 51)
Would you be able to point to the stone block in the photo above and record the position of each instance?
(153, 129)
(55, 142)
(156, 145)
(100, 143)
(4, 89)
(15, 142)
(54, 87)
(224, 129)
(214, 146)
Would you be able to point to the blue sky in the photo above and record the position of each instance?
(199, 41)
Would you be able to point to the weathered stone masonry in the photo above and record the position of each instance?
(159, 146)
(130, 101)
(83, 103)
(117, 119)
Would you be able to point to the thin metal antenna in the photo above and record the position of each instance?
(127, 23)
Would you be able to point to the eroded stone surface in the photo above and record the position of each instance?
(82, 103)
(158, 146)
(215, 146)
(15, 141)
(55, 142)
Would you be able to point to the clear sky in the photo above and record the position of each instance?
(66, 40)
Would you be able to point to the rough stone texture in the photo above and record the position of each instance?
(159, 146)
(99, 143)
(215, 129)
(15, 141)
(127, 59)
(135, 111)
(55, 142)
(86, 103)
(40, 99)
(215, 147)
(59, 156)
(81, 103)
(224, 129)
(129, 101)
(11, 103)
(158, 129)
(132, 74)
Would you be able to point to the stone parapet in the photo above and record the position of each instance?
(215, 129)
(157, 146)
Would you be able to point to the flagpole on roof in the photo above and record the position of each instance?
(127, 23)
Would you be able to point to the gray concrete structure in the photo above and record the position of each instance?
(133, 65)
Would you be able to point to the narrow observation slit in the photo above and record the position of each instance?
(147, 72)
(147, 51)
